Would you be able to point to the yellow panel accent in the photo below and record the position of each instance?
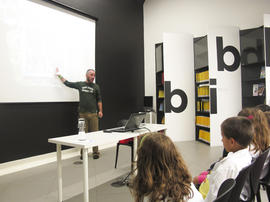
(161, 94)
(204, 135)
(198, 106)
(203, 120)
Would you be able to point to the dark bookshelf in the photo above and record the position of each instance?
(250, 80)
(159, 82)
(252, 67)
(198, 128)
(201, 100)
(201, 66)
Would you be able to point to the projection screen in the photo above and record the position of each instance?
(36, 37)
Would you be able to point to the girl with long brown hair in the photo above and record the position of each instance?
(261, 139)
(162, 174)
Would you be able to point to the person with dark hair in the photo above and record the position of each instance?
(263, 107)
(266, 168)
(261, 139)
(162, 173)
(267, 115)
(259, 143)
(237, 133)
(90, 106)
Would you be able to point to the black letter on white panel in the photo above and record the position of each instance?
(213, 100)
(220, 56)
(168, 97)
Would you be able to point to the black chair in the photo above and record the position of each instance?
(125, 142)
(225, 190)
(240, 182)
(255, 174)
(265, 181)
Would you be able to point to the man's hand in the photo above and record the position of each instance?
(100, 114)
(57, 71)
(58, 75)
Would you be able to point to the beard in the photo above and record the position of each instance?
(89, 80)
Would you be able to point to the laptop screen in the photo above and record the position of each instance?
(135, 120)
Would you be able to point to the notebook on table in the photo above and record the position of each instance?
(133, 123)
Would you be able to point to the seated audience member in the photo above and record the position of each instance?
(249, 111)
(267, 115)
(259, 143)
(237, 133)
(263, 107)
(162, 174)
(266, 163)
(261, 139)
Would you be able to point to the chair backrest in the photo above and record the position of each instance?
(266, 178)
(265, 174)
(225, 190)
(128, 141)
(256, 171)
(240, 181)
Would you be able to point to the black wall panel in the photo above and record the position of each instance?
(267, 46)
(26, 127)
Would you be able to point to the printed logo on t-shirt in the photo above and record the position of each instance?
(87, 89)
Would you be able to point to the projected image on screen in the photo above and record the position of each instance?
(36, 37)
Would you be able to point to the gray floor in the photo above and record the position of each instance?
(40, 184)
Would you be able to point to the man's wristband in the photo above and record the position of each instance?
(59, 76)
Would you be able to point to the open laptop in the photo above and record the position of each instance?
(132, 124)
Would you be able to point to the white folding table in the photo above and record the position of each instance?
(89, 140)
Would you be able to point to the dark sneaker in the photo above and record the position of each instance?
(95, 156)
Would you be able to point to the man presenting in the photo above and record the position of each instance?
(90, 106)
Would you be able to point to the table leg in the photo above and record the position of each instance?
(59, 173)
(151, 118)
(85, 171)
(135, 145)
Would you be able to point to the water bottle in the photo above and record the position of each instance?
(81, 126)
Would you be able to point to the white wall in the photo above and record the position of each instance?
(228, 86)
(178, 60)
(176, 16)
